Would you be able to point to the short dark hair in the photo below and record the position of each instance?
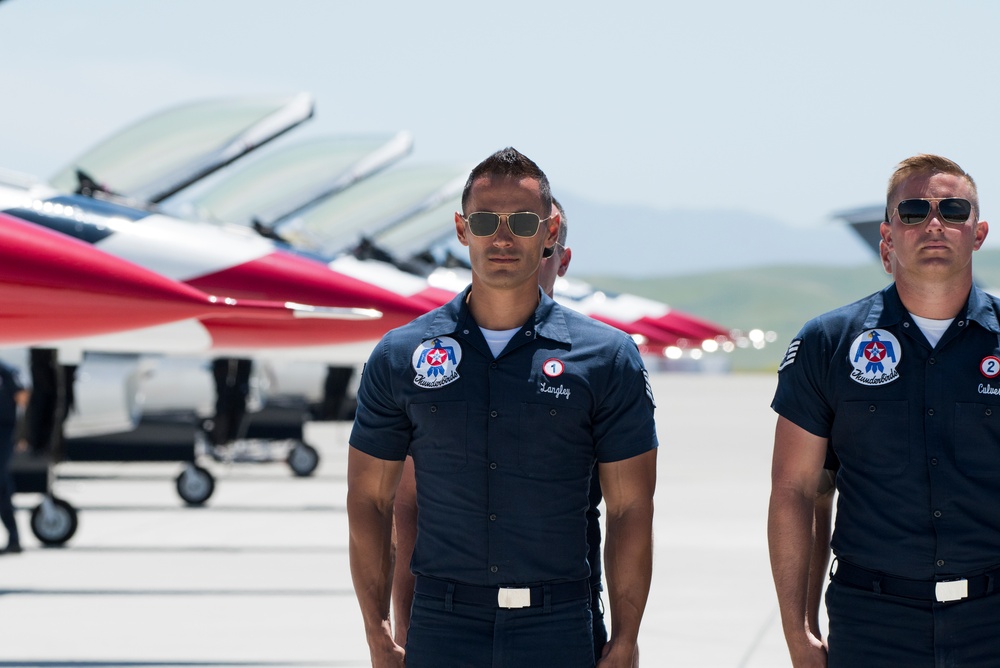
(561, 239)
(509, 163)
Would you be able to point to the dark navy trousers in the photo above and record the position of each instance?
(7, 482)
(880, 631)
(459, 635)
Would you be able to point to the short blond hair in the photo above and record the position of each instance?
(928, 164)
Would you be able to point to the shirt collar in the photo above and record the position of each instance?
(887, 309)
(548, 320)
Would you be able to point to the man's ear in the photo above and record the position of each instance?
(553, 230)
(460, 229)
(567, 255)
(885, 229)
(982, 229)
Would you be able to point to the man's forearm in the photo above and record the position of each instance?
(371, 560)
(628, 558)
(790, 538)
(819, 558)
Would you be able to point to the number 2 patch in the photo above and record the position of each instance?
(990, 366)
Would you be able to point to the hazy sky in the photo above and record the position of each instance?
(788, 109)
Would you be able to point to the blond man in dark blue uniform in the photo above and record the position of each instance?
(505, 400)
(904, 385)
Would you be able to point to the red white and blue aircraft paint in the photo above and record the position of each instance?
(227, 261)
(55, 287)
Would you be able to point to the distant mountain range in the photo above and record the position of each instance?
(638, 241)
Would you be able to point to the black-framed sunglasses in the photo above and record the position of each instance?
(521, 224)
(954, 210)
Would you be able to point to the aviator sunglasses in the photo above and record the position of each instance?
(954, 210)
(521, 224)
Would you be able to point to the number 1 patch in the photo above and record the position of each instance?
(553, 367)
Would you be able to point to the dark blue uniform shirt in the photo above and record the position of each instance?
(504, 448)
(916, 429)
(10, 385)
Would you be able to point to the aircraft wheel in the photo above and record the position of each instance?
(53, 521)
(303, 459)
(195, 485)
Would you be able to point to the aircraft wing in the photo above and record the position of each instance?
(865, 221)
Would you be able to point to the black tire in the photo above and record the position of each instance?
(303, 459)
(54, 522)
(195, 485)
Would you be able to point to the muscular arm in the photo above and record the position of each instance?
(628, 487)
(795, 473)
(405, 525)
(371, 487)
(820, 557)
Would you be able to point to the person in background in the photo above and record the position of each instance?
(13, 400)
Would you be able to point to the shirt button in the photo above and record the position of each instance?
(989, 411)
(493, 366)
(932, 361)
(871, 409)
(465, 331)
(906, 325)
(937, 513)
(930, 411)
(940, 562)
(494, 569)
(493, 517)
(528, 333)
(552, 412)
(933, 461)
(961, 323)
(493, 413)
(493, 466)
(434, 409)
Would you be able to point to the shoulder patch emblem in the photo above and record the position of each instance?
(793, 350)
(874, 356)
(649, 388)
(436, 362)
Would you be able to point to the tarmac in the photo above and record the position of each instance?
(259, 576)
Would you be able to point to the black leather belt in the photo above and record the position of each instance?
(503, 597)
(950, 589)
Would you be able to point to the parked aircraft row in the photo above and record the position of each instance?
(309, 253)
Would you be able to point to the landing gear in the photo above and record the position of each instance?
(195, 485)
(303, 459)
(53, 521)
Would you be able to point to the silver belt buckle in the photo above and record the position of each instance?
(952, 590)
(514, 597)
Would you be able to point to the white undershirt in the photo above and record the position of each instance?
(498, 338)
(933, 329)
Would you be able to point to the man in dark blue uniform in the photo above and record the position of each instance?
(505, 400)
(553, 266)
(13, 399)
(904, 385)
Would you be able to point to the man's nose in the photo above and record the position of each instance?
(503, 237)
